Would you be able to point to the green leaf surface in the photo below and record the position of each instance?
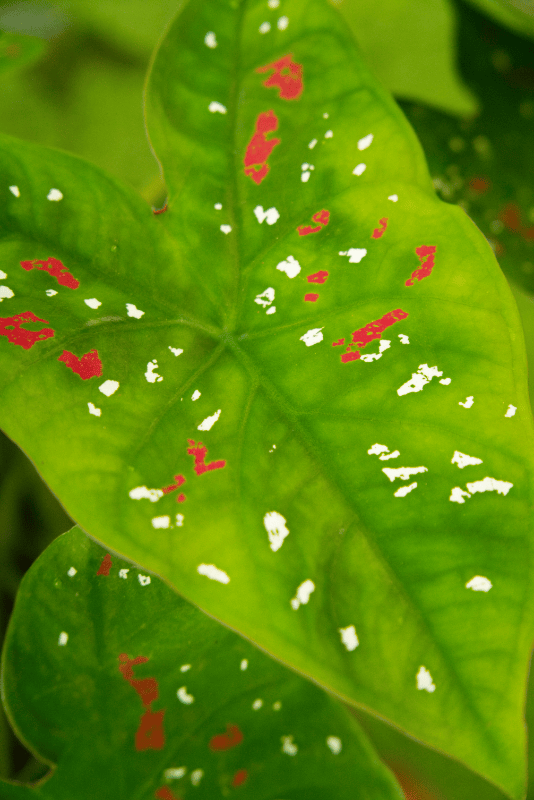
(515, 14)
(17, 50)
(411, 48)
(134, 693)
(220, 387)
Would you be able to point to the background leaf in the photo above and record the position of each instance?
(62, 667)
(515, 14)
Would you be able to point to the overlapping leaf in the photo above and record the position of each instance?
(133, 693)
(308, 351)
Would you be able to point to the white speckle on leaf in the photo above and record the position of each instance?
(51, 292)
(312, 144)
(226, 229)
(216, 107)
(63, 639)
(404, 473)
(271, 310)
(313, 336)
(257, 704)
(445, 381)
(404, 490)
(424, 680)
(142, 493)
(457, 495)
(355, 254)
(510, 411)
(326, 115)
(419, 379)
(265, 298)
(384, 345)
(273, 3)
(3, 275)
(183, 697)
(6, 293)
(271, 215)
(334, 744)
(196, 394)
(54, 195)
(275, 525)
(209, 422)
(290, 266)
(282, 23)
(15, 190)
(174, 773)
(161, 522)
(464, 460)
(364, 143)
(377, 449)
(265, 27)
(329, 134)
(92, 302)
(180, 520)
(405, 340)
(277, 705)
(218, 206)
(210, 40)
(213, 573)
(97, 412)
(359, 169)
(133, 311)
(288, 746)
(349, 637)
(305, 177)
(479, 584)
(177, 351)
(196, 776)
(468, 403)
(123, 573)
(109, 387)
(151, 375)
(303, 594)
(393, 197)
(72, 572)
(489, 485)
(243, 665)
(185, 667)
(144, 580)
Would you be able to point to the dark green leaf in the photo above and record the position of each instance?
(134, 693)
(391, 563)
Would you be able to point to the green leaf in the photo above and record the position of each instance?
(18, 51)
(134, 693)
(260, 428)
(411, 48)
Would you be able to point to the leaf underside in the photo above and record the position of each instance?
(209, 381)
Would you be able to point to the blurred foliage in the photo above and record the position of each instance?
(72, 77)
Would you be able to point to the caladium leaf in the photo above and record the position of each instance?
(298, 393)
(134, 693)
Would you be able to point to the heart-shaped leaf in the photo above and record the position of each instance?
(314, 356)
(134, 693)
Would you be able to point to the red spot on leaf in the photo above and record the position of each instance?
(88, 366)
(318, 277)
(146, 688)
(479, 184)
(352, 356)
(511, 217)
(126, 664)
(528, 234)
(239, 778)
(150, 734)
(286, 76)
(180, 498)
(179, 481)
(16, 334)
(199, 452)
(260, 148)
(378, 232)
(164, 793)
(426, 255)
(339, 341)
(105, 566)
(320, 217)
(55, 268)
(160, 210)
(363, 336)
(311, 298)
(225, 741)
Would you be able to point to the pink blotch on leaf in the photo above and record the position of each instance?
(16, 334)
(105, 566)
(88, 366)
(126, 664)
(239, 778)
(320, 218)
(55, 268)
(150, 734)
(225, 741)
(172, 488)
(260, 148)
(318, 277)
(339, 341)
(363, 336)
(180, 498)
(287, 77)
(378, 232)
(199, 451)
(351, 356)
(426, 255)
(311, 298)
